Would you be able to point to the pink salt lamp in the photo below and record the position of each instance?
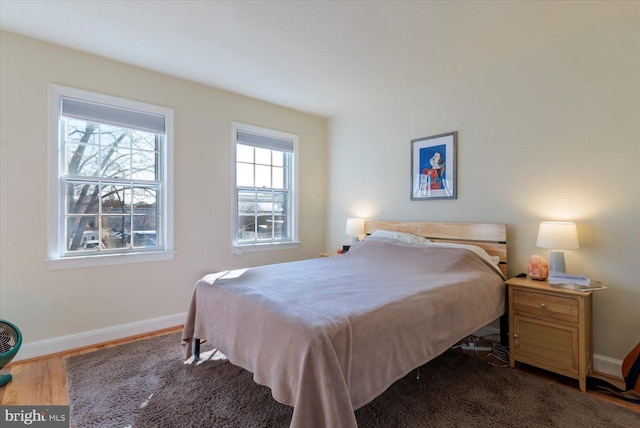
(538, 268)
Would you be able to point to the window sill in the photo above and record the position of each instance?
(250, 248)
(80, 262)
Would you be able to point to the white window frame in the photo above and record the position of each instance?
(57, 259)
(237, 247)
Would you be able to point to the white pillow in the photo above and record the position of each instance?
(408, 238)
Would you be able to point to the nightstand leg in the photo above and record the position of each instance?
(583, 384)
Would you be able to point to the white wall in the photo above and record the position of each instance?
(52, 304)
(552, 133)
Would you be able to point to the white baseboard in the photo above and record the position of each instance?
(93, 337)
(607, 366)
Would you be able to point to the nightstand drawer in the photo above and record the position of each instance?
(546, 306)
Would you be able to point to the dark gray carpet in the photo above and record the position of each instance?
(145, 384)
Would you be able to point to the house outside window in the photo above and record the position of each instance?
(110, 180)
(265, 199)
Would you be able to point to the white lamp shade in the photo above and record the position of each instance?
(355, 226)
(558, 235)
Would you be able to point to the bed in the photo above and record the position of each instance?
(328, 335)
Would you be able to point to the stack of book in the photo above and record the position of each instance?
(573, 282)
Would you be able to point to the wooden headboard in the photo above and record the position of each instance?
(492, 237)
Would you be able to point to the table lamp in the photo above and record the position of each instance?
(559, 236)
(355, 227)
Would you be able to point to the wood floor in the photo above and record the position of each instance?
(43, 381)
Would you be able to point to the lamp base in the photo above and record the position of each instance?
(556, 264)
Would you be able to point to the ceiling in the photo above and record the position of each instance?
(322, 57)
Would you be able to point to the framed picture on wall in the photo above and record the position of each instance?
(433, 167)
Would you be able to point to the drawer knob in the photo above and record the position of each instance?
(543, 306)
(515, 336)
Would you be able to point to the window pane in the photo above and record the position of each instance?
(143, 140)
(280, 227)
(264, 203)
(244, 172)
(277, 158)
(263, 156)
(117, 163)
(263, 176)
(81, 131)
(82, 233)
(265, 227)
(82, 159)
(116, 231)
(281, 218)
(246, 202)
(280, 202)
(244, 153)
(246, 228)
(143, 166)
(145, 238)
(82, 198)
(145, 200)
(116, 199)
(115, 136)
(278, 178)
(246, 216)
(145, 218)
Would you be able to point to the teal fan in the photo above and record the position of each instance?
(10, 341)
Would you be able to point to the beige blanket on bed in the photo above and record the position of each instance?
(328, 335)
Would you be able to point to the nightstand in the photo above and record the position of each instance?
(551, 328)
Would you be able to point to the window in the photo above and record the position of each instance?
(110, 180)
(264, 175)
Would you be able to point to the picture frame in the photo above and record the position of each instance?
(434, 167)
